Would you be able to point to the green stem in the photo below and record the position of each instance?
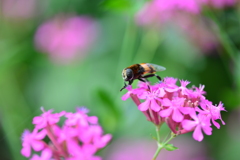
(226, 42)
(231, 50)
(127, 48)
(148, 47)
(161, 145)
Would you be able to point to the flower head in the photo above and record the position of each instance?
(79, 138)
(183, 109)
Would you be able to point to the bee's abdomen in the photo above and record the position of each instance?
(147, 68)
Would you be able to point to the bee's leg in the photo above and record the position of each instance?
(158, 77)
(130, 82)
(125, 85)
(144, 80)
(152, 75)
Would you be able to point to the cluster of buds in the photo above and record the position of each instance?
(79, 138)
(182, 109)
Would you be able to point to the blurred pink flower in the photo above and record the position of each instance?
(66, 38)
(219, 3)
(47, 118)
(185, 16)
(18, 9)
(33, 140)
(158, 11)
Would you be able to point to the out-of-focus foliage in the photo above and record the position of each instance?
(196, 40)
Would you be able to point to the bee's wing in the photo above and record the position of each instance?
(157, 67)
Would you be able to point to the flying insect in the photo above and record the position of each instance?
(140, 71)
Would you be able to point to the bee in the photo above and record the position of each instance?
(139, 71)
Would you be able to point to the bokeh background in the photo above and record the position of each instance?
(68, 53)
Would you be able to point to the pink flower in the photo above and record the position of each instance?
(173, 108)
(47, 118)
(200, 123)
(170, 84)
(66, 38)
(211, 111)
(32, 140)
(80, 118)
(150, 101)
(183, 88)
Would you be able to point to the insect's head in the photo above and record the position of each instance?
(127, 74)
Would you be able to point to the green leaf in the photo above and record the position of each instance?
(170, 147)
(109, 103)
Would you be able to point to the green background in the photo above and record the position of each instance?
(29, 79)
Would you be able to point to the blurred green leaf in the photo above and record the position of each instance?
(110, 112)
(108, 102)
(170, 147)
(117, 5)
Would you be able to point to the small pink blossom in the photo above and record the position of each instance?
(199, 124)
(173, 108)
(211, 111)
(47, 118)
(32, 140)
(150, 101)
(183, 87)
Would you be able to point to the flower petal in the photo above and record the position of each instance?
(177, 116)
(144, 106)
(154, 105)
(37, 145)
(197, 134)
(165, 112)
(126, 96)
(188, 124)
(26, 151)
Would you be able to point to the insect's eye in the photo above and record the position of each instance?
(129, 74)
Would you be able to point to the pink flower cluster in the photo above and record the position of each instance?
(157, 11)
(79, 138)
(182, 109)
